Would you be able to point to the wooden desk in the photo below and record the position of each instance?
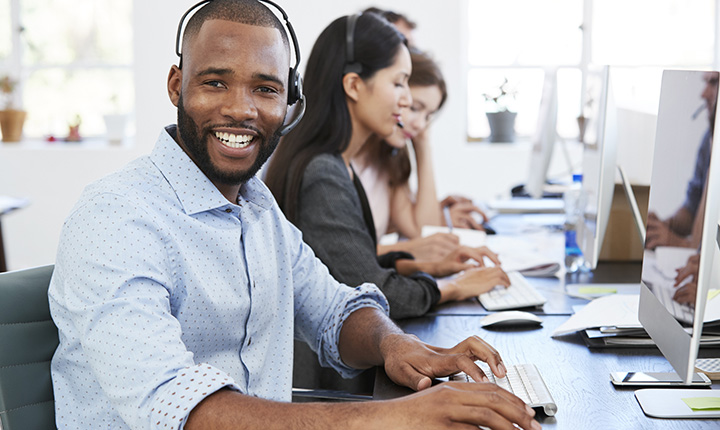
(577, 377)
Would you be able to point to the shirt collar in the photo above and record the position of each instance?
(194, 190)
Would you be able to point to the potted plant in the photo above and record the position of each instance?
(115, 122)
(500, 117)
(11, 119)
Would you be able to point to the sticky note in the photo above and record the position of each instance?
(703, 403)
(712, 294)
(593, 291)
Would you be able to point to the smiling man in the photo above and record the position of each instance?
(179, 285)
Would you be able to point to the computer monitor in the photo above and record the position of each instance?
(683, 150)
(544, 139)
(598, 169)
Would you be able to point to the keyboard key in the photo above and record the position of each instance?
(523, 380)
(519, 294)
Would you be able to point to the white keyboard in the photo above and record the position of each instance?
(682, 312)
(520, 294)
(523, 380)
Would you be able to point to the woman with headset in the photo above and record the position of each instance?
(384, 168)
(351, 97)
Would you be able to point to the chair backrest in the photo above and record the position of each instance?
(28, 339)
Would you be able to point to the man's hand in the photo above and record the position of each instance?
(688, 292)
(659, 233)
(412, 363)
(459, 405)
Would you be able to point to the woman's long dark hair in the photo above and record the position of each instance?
(425, 73)
(326, 126)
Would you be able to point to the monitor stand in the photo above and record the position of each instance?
(639, 224)
(668, 402)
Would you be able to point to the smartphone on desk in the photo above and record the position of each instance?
(656, 379)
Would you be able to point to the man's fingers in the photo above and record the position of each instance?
(475, 348)
(408, 376)
(493, 407)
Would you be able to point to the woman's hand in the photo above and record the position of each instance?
(462, 258)
(461, 212)
(434, 247)
(472, 283)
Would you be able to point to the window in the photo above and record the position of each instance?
(73, 59)
(521, 39)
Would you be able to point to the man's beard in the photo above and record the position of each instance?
(197, 147)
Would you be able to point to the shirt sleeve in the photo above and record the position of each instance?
(330, 218)
(111, 291)
(322, 304)
(696, 185)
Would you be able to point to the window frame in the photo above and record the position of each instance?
(585, 65)
(17, 69)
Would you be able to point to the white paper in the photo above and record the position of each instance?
(618, 310)
(468, 237)
(526, 205)
(523, 253)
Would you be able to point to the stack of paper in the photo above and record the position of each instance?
(526, 254)
(618, 310)
(612, 321)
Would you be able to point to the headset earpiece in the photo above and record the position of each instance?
(351, 66)
(294, 89)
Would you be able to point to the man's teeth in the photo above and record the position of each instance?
(234, 140)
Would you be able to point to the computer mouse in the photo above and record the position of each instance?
(510, 319)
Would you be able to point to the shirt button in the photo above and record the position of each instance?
(249, 341)
(228, 210)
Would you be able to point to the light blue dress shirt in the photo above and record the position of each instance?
(164, 292)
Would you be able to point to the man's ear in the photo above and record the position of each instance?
(174, 84)
(351, 84)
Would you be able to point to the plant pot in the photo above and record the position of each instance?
(11, 124)
(115, 126)
(582, 125)
(502, 126)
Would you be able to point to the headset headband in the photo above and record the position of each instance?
(350, 65)
(288, 25)
(294, 90)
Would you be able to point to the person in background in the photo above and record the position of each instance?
(403, 24)
(684, 227)
(357, 95)
(461, 210)
(384, 168)
(687, 290)
(179, 285)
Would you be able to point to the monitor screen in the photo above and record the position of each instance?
(544, 139)
(682, 221)
(598, 168)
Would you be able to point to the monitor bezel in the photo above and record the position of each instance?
(591, 232)
(676, 345)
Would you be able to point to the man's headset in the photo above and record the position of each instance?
(351, 66)
(295, 92)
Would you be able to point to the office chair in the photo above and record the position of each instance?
(28, 339)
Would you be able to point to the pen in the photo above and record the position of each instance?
(448, 220)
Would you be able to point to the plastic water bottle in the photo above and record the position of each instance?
(574, 212)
